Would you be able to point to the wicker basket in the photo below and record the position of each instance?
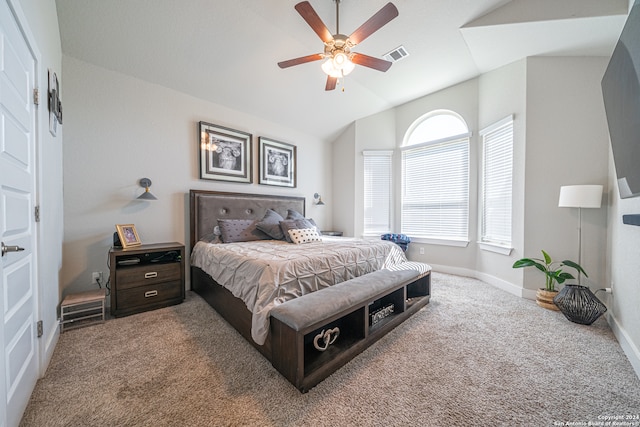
(544, 298)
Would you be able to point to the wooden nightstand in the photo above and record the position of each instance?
(146, 277)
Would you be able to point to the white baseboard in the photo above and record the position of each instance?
(487, 278)
(507, 286)
(458, 271)
(50, 339)
(630, 350)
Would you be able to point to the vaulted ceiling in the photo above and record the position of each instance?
(226, 52)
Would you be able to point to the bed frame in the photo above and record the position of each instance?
(285, 346)
(206, 208)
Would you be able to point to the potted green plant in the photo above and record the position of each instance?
(553, 273)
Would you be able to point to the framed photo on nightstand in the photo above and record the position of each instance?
(128, 235)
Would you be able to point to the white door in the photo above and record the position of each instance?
(18, 280)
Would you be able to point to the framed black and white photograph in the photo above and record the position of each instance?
(225, 154)
(55, 105)
(277, 163)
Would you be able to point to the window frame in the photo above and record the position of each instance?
(462, 240)
(498, 245)
(386, 154)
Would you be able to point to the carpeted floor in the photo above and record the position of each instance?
(473, 356)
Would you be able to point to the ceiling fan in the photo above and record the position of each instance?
(337, 47)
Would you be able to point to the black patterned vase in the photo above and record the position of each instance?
(579, 304)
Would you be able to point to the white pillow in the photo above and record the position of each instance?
(304, 235)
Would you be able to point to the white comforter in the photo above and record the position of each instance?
(269, 272)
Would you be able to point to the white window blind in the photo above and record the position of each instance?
(497, 162)
(435, 190)
(377, 191)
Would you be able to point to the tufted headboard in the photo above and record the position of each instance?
(208, 206)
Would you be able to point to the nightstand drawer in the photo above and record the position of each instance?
(148, 294)
(132, 277)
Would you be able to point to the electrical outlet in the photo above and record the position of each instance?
(96, 277)
(421, 251)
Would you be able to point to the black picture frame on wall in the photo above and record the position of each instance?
(54, 103)
(225, 153)
(278, 163)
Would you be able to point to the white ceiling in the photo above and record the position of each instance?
(226, 52)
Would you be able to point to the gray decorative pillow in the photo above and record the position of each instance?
(294, 224)
(240, 230)
(293, 214)
(270, 224)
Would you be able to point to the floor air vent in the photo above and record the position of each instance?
(396, 54)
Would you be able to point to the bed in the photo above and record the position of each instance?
(246, 280)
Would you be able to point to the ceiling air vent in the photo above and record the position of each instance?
(396, 54)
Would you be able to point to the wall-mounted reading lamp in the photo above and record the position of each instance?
(146, 183)
(318, 199)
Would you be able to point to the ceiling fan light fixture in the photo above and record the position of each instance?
(339, 61)
(347, 67)
(338, 66)
(327, 67)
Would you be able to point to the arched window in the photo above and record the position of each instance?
(435, 178)
(434, 126)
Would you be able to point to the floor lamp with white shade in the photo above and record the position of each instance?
(580, 196)
(577, 302)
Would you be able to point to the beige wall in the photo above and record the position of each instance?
(344, 181)
(119, 129)
(376, 132)
(567, 143)
(503, 93)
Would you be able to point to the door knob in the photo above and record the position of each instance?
(6, 249)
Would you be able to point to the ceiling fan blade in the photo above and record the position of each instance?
(309, 14)
(301, 60)
(371, 62)
(331, 83)
(377, 21)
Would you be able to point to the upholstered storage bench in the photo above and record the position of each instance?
(331, 326)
